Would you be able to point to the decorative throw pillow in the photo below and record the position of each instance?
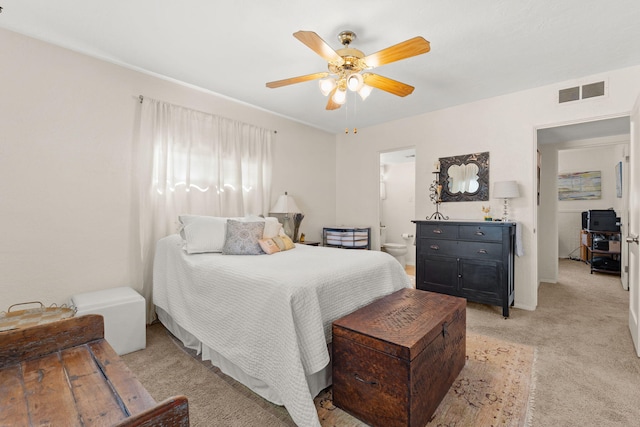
(284, 242)
(242, 238)
(203, 233)
(271, 225)
(268, 246)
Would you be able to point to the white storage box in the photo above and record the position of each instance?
(123, 310)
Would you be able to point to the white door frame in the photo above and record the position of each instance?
(634, 227)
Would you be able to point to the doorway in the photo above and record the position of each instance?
(596, 146)
(396, 208)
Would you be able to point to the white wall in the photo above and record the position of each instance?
(548, 215)
(504, 126)
(67, 132)
(399, 206)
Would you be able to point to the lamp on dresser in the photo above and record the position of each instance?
(289, 212)
(505, 190)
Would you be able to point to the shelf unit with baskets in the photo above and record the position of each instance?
(347, 237)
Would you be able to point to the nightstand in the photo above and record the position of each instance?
(309, 243)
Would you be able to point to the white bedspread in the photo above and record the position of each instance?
(271, 314)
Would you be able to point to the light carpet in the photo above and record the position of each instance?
(495, 388)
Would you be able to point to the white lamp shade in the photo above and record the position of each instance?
(285, 204)
(505, 190)
(355, 82)
(365, 91)
(326, 85)
(339, 96)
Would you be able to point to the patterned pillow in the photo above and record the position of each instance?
(269, 246)
(242, 238)
(284, 242)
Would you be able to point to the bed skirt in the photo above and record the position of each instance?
(317, 382)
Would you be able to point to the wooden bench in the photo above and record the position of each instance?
(65, 374)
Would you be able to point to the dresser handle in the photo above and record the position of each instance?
(483, 251)
(436, 231)
(479, 233)
(434, 247)
(364, 381)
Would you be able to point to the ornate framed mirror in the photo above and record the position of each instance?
(465, 178)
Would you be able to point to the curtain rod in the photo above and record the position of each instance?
(141, 98)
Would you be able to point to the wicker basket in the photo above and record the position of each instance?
(33, 316)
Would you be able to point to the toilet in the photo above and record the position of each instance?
(397, 250)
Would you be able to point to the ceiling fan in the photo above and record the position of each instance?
(348, 67)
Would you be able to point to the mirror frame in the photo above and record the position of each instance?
(480, 159)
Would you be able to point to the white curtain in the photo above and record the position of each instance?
(190, 162)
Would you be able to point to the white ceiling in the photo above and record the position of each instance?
(479, 48)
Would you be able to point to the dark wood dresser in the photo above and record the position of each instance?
(473, 260)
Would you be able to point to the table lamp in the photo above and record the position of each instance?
(505, 190)
(286, 206)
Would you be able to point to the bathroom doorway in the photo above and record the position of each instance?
(397, 203)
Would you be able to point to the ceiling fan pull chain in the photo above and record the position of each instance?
(355, 110)
(346, 120)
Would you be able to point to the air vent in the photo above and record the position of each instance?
(577, 93)
(570, 94)
(592, 90)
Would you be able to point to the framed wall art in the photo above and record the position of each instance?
(619, 180)
(580, 186)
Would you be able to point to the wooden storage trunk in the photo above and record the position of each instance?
(395, 359)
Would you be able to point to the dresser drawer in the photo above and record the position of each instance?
(439, 247)
(454, 248)
(479, 232)
(483, 250)
(438, 230)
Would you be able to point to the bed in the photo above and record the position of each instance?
(265, 320)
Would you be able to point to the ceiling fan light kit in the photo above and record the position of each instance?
(339, 96)
(327, 85)
(346, 67)
(365, 91)
(355, 82)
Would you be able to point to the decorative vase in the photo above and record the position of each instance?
(297, 219)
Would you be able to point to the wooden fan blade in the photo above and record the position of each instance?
(406, 49)
(319, 46)
(299, 79)
(330, 104)
(387, 84)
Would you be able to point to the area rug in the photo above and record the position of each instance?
(495, 388)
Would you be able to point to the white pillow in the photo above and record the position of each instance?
(271, 227)
(203, 233)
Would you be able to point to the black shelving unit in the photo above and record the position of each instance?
(597, 257)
